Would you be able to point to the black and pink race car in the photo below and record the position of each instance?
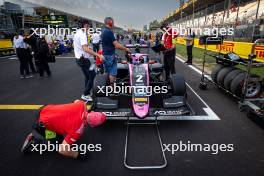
(140, 91)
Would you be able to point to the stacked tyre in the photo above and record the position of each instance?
(232, 79)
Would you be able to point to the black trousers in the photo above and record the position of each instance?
(89, 75)
(22, 57)
(38, 130)
(30, 61)
(42, 65)
(169, 62)
(189, 53)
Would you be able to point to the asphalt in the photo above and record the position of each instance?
(66, 85)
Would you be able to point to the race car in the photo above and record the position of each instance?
(140, 91)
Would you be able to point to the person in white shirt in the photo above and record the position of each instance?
(96, 42)
(84, 58)
(21, 51)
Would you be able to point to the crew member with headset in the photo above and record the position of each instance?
(109, 44)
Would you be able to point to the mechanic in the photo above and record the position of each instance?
(109, 44)
(84, 58)
(169, 53)
(56, 121)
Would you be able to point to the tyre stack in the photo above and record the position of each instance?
(232, 79)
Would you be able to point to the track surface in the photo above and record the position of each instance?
(66, 85)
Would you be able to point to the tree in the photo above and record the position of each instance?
(154, 25)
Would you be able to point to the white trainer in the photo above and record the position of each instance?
(87, 98)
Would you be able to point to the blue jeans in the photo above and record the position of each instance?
(110, 65)
(88, 74)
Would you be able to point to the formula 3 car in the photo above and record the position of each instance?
(140, 91)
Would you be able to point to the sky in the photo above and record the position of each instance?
(126, 13)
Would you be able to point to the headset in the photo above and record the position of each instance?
(109, 21)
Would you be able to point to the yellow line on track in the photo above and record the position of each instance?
(24, 107)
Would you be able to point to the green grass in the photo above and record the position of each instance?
(198, 55)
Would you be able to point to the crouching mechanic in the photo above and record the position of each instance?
(62, 123)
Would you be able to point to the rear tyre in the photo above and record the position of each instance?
(254, 88)
(222, 74)
(99, 87)
(178, 85)
(237, 83)
(215, 71)
(230, 76)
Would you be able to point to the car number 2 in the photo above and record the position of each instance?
(139, 78)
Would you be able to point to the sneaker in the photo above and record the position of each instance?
(22, 77)
(27, 144)
(29, 76)
(87, 98)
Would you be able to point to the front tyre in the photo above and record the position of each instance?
(178, 85)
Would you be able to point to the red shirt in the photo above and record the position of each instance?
(65, 119)
(167, 39)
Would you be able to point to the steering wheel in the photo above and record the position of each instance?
(128, 56)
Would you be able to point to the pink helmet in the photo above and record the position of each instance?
(95, 118)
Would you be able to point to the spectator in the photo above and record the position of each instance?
(20, 46)
(40, 49)
(109, 44)
(84, 58)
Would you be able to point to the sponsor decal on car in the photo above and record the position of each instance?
(169, 112)
(117, 113)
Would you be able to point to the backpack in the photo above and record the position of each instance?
(41, 46)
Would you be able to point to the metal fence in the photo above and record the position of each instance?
(246, 17)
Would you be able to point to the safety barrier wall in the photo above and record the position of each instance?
(242, 49)
(6, 47)
(5, 44)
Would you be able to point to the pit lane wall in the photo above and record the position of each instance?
(243, 49)
(6, 47)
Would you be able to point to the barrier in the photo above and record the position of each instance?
(243, 49)
(6, 47)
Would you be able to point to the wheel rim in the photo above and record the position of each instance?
(253, 89)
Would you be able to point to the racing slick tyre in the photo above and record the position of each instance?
(254, 88)
(100, 80)
(215, 71)
(222, 74)
(230, 76)
(178, 85)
